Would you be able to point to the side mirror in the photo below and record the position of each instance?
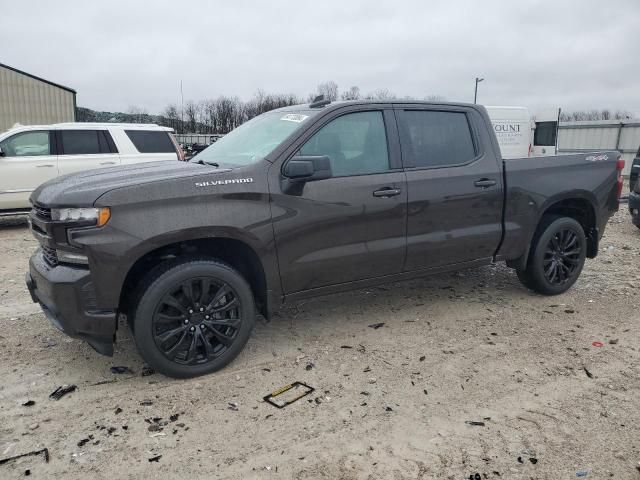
(307, 168)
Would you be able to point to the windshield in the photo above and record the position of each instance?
(253, 140)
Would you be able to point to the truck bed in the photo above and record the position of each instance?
(533, 184)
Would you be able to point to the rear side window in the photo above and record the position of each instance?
(86, 142)
(151, 141)
(435, 139)
(545, 134)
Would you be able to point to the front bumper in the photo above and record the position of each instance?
(67, 297)
(634, 206)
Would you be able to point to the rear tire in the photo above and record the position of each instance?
(557, 256)
(192, 316)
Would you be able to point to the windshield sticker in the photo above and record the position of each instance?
(213, 183)
(294, 117)
(596, 158)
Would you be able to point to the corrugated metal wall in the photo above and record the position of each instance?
(30, 101)
(580, 137)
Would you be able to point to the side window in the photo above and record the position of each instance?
(147, 141)
(81, 142)
(26, 144)
(435, 139)
(356, 144)
(545, 134)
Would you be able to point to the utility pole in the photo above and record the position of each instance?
(182, 106)
(475, 95)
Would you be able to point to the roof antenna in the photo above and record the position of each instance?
(319, 101)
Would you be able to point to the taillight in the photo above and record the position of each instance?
(620, 167)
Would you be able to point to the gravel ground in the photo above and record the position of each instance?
(390, 403)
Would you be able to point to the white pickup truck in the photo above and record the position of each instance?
(31, 155)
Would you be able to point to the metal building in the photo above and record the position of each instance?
(31, 100)
(589, 136)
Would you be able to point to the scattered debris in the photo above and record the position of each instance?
(597, 344)
(613, 341)
(174, 417)
(520, 460)
(44, 451)
(292, 393)
(155, 428)
(117, 410)
(309, 366)
(533, 460)
(388, 409)
(346, 346)
(475, 476)
(120, 370)
(84, 441)
(376, 326)
(146, 371)
(60, 392)
(146, 403)
(474, 423)
(233, 406)
(422, 358)
(569, 310)
(582, 473)
(155, 459)
(589, 374)
(29, 403)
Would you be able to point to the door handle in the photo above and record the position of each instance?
(46, 165)
(484, 183)
(107, 163)
(386, 192)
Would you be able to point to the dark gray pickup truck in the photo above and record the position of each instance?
(303, 201)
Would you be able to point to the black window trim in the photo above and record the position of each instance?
(479, 153)
(326, 119)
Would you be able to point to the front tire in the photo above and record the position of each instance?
(192, 317)
(557, 256)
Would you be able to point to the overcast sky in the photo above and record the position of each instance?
(573, 54)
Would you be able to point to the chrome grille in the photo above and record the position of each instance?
(50, 255)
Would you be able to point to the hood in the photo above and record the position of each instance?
(83, 188)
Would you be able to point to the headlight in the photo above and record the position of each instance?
(99, 215)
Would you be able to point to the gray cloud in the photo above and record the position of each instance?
(573, 54)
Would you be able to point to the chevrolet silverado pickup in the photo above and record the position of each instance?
(303, 201)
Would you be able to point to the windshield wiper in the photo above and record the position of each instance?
(202, 162)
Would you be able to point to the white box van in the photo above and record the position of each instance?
(31, 155)
(522, 135)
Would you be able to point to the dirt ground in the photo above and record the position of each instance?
(390, 403)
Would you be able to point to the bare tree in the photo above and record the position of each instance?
(191, 110)
(434, 98)
(594, 114)
(329, 90)
(352, 94)
(137, 114)
(381, 94)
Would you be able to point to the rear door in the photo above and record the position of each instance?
(454, 186)
(28, 159)
(85, 149)
(351, 226)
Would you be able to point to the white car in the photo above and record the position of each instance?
(31, 155)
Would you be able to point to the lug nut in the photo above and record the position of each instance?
(186, 321)
(190, 311)
(202, 309)
(201, 327)
(207, 317)
(193, 329)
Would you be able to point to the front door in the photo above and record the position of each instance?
(27, 160)
(351, 226)
(454, 184)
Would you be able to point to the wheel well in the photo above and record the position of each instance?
(583, 212)
(233, 252)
